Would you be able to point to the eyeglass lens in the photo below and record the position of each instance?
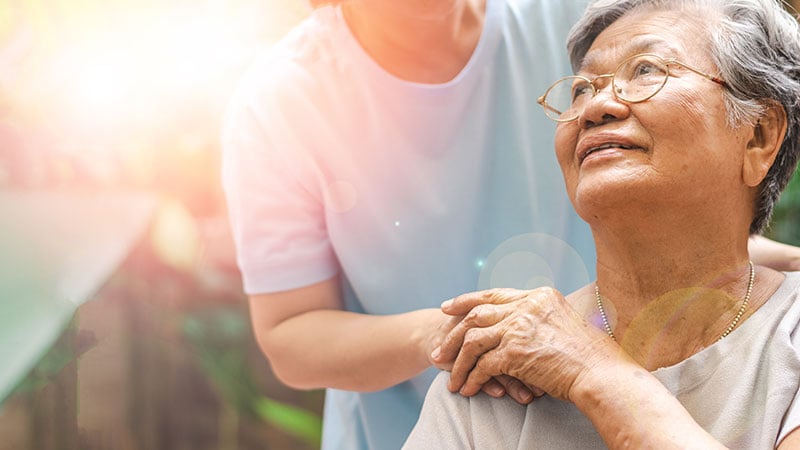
(635, 80)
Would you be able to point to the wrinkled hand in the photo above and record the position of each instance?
(496, 386)
(533, 336)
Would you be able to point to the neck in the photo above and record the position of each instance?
(645, 271)
(417, 40)
(667, 247)
(670, 294)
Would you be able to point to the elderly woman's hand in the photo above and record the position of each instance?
(534, 336)
(496, 386)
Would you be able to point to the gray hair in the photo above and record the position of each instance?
(755, 44)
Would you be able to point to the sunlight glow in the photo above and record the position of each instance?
(97, 85)
(151, 59)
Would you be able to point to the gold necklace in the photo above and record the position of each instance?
(727, 331)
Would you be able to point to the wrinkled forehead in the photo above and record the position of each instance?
(605, 58)
(678, 32)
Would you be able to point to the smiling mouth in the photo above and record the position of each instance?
(607, 146)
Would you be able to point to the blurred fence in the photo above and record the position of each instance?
(160, 358)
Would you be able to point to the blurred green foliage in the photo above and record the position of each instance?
(72, 344)
(220, 338)
(785, 225)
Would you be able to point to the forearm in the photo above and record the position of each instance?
(630, 408)
(775, 255)
(344, 350)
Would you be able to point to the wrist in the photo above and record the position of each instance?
(604, 372)
(630, 408)
(425, 334)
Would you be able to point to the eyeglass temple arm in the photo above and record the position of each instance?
(713, 78)
(547, 107)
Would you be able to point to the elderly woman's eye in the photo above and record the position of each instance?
(646, 68)
(581, 90)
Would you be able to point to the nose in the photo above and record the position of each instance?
(601, 81)
(604, 106)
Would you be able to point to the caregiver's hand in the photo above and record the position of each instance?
(533, 336)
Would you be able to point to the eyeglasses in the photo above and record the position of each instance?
(635, 80)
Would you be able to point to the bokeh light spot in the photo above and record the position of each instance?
(531, 260)
(525, 270)
(175, 236)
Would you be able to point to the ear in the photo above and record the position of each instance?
(763, 147)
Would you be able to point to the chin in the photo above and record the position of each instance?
(596, 199)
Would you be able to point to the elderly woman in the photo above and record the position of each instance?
(675, 139)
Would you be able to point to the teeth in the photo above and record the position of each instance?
(605, 146)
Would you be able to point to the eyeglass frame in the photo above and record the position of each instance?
(667, 61)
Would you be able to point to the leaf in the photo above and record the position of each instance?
(219, 338)
(293, 420)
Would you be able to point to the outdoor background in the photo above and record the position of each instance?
(101, 100)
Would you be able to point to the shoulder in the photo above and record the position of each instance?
(787, 363)
(288, 85)
(790, 322)
(790, 291)
(300, 65)
(450, 420)
(444, 420)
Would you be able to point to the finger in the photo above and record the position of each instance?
(438, 338)
(446, 366)
(482, 316)
(516, 389)
(476, 342)
(447, 351)
(493, 388)
(462, 304)
(478, 376)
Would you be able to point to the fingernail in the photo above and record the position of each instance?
(496, 391)
(447, 303)
(435, 353)
(525, 395)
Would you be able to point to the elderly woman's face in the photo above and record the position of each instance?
(675, 147)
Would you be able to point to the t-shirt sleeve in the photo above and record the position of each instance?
(791, 421)
(452, 421)
(276, 211)
(444, 422)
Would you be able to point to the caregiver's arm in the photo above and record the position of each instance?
(775, 255)
(311, 343)
(791, 441)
